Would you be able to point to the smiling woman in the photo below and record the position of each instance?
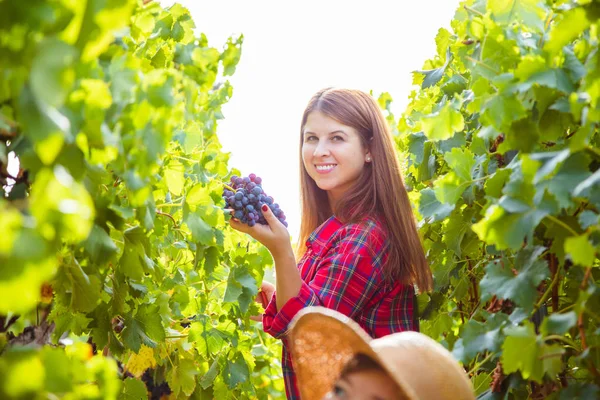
(359, 251)
(333, 160)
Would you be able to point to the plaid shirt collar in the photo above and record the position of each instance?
(321, 236)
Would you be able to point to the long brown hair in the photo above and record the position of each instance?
(379, 190)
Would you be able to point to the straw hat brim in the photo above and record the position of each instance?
(322, 341)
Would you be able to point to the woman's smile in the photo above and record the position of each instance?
(325, 168)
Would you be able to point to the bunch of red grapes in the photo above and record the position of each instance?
(247, 199)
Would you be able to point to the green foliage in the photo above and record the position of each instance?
(111, 108)
(502, 158)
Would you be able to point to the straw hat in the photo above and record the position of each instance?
(322, 341)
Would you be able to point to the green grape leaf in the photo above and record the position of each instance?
(232, 54)
(477, 337)
(174, 177)
(52, 73)
(589, 182)
(505, 229)
(182, 378)
(568, 28)
(66, 320)
(433, 76)
(455, 230)
(234, 288)
(520, 352)
(58, 369)
(442, 124)
(416, 146)
(207, 339)
(100, 246)
(580, 249)
(85, 289)
(551, 356)
(588, 218)
(495, 184)
(558, 324)
(518, 283)
(580, 391)
(495, 110)
(22, 371)
(133, 389)
(236, 372)
(201, 231)
(143, 327)
(131, 262)
(431, 209)
(529, 12)
(461, 161)
(449, 188)
(207, 379)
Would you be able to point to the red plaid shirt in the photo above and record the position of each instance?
(342, 270)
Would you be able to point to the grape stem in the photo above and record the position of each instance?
(227, 186)
(167, 215)
(474, 11)
(479, 364)
(548, 291)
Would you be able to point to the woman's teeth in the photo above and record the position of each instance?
(325, 167)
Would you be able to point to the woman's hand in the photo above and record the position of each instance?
(264, 296)
(273, 236)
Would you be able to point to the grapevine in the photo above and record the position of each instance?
(117, 266)
(501, 147)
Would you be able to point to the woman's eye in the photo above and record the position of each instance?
(337, 138)
(339, 391)
(309, 138)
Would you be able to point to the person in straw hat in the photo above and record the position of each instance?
(334, 358)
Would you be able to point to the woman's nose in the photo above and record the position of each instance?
(321, 149)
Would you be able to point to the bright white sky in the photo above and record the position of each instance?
(293, 49)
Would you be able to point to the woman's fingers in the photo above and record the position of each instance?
(238, 225)
(269, 216)
(273, 235)
(264, 299)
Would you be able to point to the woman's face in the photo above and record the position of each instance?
(365, 385)
(332, 153)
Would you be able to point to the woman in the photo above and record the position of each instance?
(336, 360)
(359, 247)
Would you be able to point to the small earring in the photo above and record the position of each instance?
(368, 158)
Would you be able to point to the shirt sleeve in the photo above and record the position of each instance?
(346, 279)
